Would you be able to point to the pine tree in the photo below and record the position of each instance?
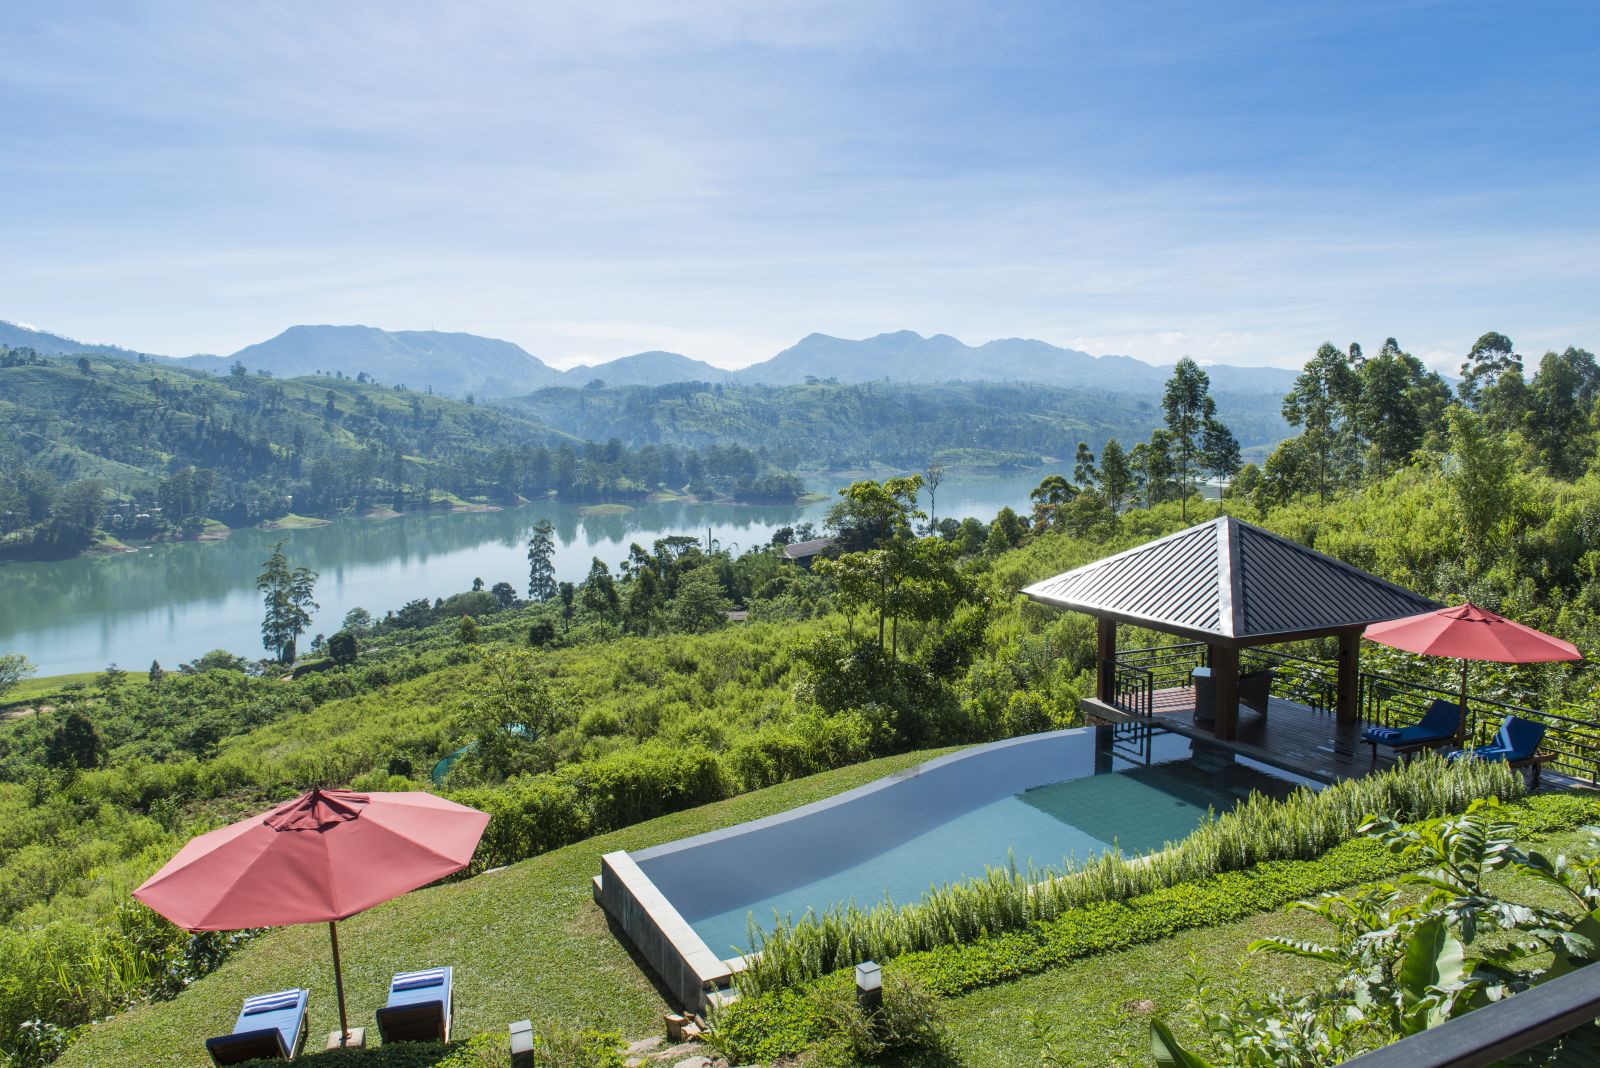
(1116, 480)
(287, 597)
(600, 591)
(541, 562)
(1315, 403)
(1083, 472)
(1189, 411)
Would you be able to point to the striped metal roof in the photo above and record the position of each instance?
(1231, 580)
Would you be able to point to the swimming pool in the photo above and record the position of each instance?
(1038, 799)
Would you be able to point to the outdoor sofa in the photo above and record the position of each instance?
(1255, 691)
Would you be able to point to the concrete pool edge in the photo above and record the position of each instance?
(688, 967)
(680, 957)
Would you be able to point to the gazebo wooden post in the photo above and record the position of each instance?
(1225, 675)
(1349, 681)
(1105, 687)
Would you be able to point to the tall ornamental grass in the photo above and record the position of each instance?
(1301, 826)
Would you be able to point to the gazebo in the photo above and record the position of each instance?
(1229, 585)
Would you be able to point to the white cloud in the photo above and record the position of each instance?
(721, 178)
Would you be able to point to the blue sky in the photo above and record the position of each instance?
(1236, 182)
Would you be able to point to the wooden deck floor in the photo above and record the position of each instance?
(1291, 736)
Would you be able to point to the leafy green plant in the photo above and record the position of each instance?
(1407, 963)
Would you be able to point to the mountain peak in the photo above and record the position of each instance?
(449, 363)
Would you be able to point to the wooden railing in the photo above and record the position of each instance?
(1382, 700)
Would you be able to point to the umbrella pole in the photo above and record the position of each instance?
(338, 984)
(1461, 730)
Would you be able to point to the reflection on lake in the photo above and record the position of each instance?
(174, 602)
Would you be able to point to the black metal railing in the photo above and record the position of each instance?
(1134, 689)
(1168, 666)
(1573, 744)
(1382, 700)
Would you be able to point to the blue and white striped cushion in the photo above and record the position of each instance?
(418, 980)
(283, 999)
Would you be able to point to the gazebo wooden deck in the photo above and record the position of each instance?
(1290, 735)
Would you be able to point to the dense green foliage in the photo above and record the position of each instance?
(599, 704)
(1403, 963)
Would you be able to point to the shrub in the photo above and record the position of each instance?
(342, 647)
(842, 1033)
(482, 1051)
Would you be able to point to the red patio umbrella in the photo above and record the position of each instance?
(322, 857)
(1468, 633)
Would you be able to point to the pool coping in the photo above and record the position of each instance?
(825, 803)
(691, 970)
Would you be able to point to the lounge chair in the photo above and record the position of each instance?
(1438, 726)
(269, 1027)
(1516, 742)
(419, 1008)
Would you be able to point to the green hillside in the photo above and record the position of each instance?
(848, 427)
(147, 450)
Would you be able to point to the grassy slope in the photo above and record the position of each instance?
(29, 691)
(527, 941)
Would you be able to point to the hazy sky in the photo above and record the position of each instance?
(1233, 181)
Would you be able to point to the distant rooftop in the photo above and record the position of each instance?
(1229, 582)
(804, 550)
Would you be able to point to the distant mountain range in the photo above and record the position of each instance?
(456, 364)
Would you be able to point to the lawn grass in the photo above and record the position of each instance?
(293, 522)
(31, 691)
(527, 941)
(1098, 1010)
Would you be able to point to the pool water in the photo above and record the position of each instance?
(1040, 799)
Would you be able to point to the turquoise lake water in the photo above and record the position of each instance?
(174, 602)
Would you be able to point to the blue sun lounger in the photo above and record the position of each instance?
(419, 1008)
(1516, 742)
(269, 1027)
(1438, 726)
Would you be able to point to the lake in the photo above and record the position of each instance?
(174, 602)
